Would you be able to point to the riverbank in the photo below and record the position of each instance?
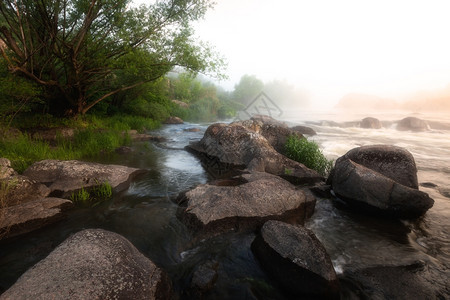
(146, 216)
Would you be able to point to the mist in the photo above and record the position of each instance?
(330, 50)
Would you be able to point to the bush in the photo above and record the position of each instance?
(309, 154)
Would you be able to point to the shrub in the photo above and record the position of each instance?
(309, 154)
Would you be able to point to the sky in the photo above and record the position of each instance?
(391, 49)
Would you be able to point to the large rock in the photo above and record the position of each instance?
(393, 162)
(413, 124)
(380, 179)
(32, 215)
(64, 177)
(370, 123)
(297, 260)
(92, 264)
(239, 146)
(244, 204)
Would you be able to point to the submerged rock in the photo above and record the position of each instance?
(380, 179)
(257, 197)
(32, 215)
(370, 123)
(92, 264)
(413, 124)
(64, 177)
(297, 260)
(304, 130)
(239, 146)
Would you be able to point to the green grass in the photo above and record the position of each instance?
(93, 197)
(93, 136)
(309, 154)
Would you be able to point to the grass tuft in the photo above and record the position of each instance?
(309, 154)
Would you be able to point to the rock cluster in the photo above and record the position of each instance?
(253, 145)
(26, 200)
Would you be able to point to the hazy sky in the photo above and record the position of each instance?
(331, 48)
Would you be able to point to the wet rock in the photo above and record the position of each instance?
(32, 215)
(297, 260)
(370, 123)
(412, 124)
(304, 130)
(213, 209)
(205, 276)
(92, 264)
(173, 120)
(237, 146)
(393, 162)
(192, 130)
(65, 177)
(395, 282)
(6, 170)
(381, 180)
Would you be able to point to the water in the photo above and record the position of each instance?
(146, 215)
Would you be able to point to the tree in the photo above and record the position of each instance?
(84, 51)
(247, 89)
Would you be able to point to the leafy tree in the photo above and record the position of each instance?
(82, 52)
(247, 89)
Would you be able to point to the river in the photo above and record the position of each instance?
(146, 214)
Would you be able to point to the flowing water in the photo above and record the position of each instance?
(146, 215)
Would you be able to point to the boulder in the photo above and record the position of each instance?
(296, 259)
(173, 120)
(92, 264)
(237, 146)
(65, 177)
(393, 162)
(370, 123)
(6, 170)
(304, 130)
(32, 215)
(380, 179)
(244, 205)
(412, 124)
(268, 120)
(193, 129)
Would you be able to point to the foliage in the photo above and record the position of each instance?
(83, 52)
(247, 89)
(308, 153)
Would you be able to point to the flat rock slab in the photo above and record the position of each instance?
(257, 197)
(92, 264)
(32, 215)
(64, 177)
(297, 260)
